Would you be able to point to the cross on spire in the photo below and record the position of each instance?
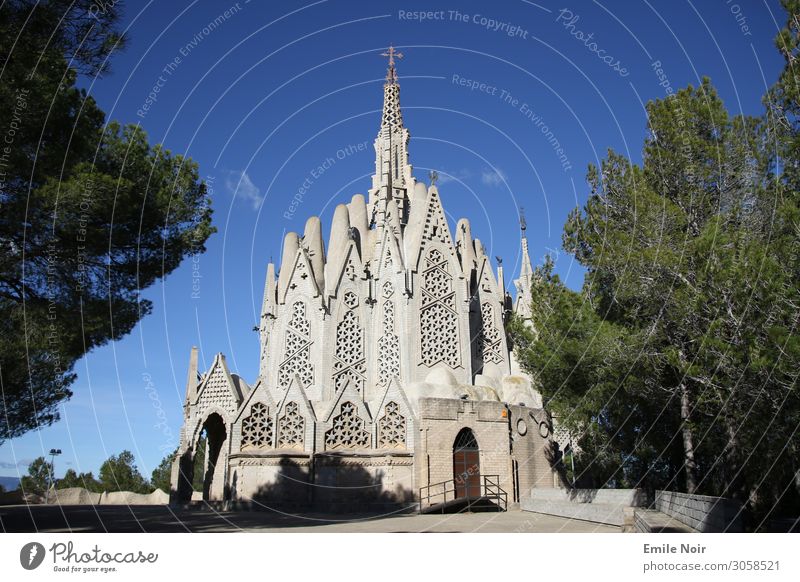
(391, 74)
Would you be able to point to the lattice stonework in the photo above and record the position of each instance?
(388, 347)
(392, 428)
(297, 352)
(435, 225)
(257, 428)
(349, 357)
(348, 430)
(392, 116)
(489, 339)
(216, 392)
(438, 318)
(351, 300)
(291, 428)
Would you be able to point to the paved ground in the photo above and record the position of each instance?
(83, 518)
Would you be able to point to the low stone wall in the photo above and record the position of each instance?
(72, 496)
(701, 512)
(625, 497)
(80, 496)
(597, 505)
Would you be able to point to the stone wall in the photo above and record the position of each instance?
(339, 482)
(271, 479)
(595, 505)
(80, 496)
(511, 444)
(701, 512)
(532, 449)
(441, 419)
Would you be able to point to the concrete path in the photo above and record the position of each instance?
(83, 518)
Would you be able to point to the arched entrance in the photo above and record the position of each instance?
(214, 475)
(466, 464)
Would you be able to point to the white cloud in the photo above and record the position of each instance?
(446, 177)
(494, 177)
(239, 185)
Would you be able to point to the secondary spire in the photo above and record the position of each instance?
(526, 270)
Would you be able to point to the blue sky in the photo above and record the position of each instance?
(271, 98)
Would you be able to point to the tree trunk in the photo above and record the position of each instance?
(735, 482)
(688, 441)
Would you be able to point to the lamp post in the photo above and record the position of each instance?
(53, 454)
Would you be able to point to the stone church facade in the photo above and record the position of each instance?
(385, 370)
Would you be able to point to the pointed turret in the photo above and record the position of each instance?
(269, 310)
(501, 281)
(191, 377)
(525, 281)
(526, 270)
(465, 246)
(291, 243)
(357, 209)
(268, 306)
(337, 249)
(312, 242)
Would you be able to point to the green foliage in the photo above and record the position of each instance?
(91, 213)
(37, 480)
(162, 475)
(119, 473)
(73, 479)
(677, 363)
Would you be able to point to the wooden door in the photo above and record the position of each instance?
(466, 465)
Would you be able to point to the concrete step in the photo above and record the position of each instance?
(653, 521)
(463, 505)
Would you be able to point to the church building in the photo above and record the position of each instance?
(386, 378)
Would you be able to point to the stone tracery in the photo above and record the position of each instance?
(297, 351)
(257, 428)
(392, 427)
(489, 339)
(291, 427)
(349, 357)
(438, 320)
(347, 431)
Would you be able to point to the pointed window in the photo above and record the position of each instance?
(392, 428)
(297, 350)
(348, 430)
(349, 362)
(291, 428)
(438, 318)
(257, 428)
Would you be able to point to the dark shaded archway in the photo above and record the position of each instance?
(215, 435)
(466, 464)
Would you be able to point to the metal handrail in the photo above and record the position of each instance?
(490, 487)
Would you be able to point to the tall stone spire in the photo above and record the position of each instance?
(393, 174)
(525, 282)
